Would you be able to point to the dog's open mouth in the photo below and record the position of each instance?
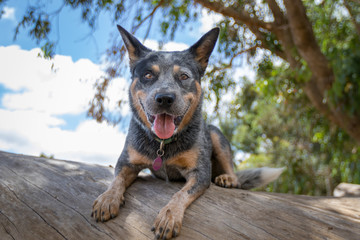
(164, 125)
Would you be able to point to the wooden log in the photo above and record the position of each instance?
(52, 199)
(347, 190)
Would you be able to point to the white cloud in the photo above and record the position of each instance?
(9, 13)
(30, 121)
(245, 71)
(31, 133)
(117, 89)
(66, 90)
(208, 20)
(170, 46)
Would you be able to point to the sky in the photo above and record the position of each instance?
(43, 108)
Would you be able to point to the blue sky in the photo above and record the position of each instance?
(45, 111)
(73, 33)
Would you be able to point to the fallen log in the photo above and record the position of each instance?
(347, 190)
(51, 199)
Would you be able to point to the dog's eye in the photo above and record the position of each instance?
(184, 76)
(148, 75)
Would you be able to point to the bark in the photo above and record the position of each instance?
(235, 13)
(316, 97)
(306, 44)
(282, 31)
(51, 199)
(276, 11)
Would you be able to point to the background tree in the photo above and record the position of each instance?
(302, 110)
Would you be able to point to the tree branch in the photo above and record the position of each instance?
(316, 97)
(254, 24)
(282, 32)
(304, 39)
(261, 37)
(150, 15)
(239, 15)
(278, 14)
(323, 76)
(352, 16)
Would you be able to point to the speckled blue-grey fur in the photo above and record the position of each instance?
(196, 133)
(166, 100)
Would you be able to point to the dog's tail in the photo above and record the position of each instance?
(257, 177)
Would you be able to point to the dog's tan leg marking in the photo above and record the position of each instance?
(224, 159)
(107, 205)
(194, 102)
(137, 158)
(185, 160)
(169, 220)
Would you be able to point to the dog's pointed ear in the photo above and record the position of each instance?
(202, 49)
(134, 47)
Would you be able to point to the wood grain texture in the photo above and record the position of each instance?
(52, 199)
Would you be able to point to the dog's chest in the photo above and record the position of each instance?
(173, 173)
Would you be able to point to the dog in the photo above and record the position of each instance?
(168, 135)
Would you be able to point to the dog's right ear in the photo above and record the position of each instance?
(135, 49)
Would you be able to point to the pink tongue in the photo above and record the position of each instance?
(164, 126)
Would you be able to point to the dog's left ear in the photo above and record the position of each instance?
(202, 49)
(135, 49)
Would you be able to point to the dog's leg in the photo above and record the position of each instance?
(222, 165)
(130, 163)
(223, 173)
(107, 205)
(169, 220)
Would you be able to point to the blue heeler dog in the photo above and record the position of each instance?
(169, 136)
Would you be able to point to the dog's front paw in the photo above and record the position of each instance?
(107, 205)
(227, 181)
(168, 222)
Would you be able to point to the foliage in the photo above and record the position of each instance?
(43, 155)
(272, 118)
(2, 3)
(340, 43)
(278, 126)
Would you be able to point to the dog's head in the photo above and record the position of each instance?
(165, 90)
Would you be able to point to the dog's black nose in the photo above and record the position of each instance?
(165, 99)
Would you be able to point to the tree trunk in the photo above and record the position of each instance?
(294, 31)
(52, 199)
(323, 75)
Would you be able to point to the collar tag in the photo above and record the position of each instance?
(157, 164)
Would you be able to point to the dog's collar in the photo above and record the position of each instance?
(166, 141)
